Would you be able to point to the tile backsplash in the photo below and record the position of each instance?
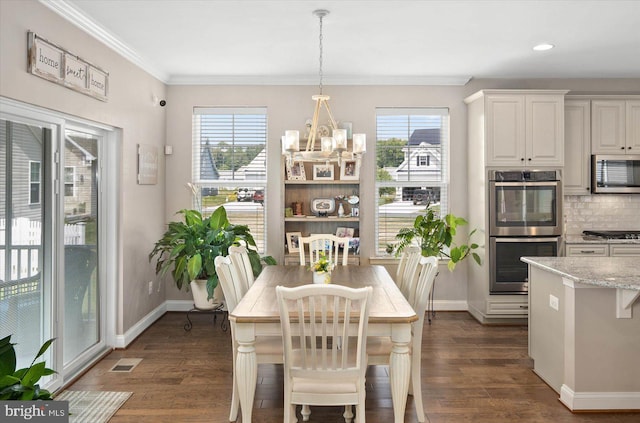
(601, 212)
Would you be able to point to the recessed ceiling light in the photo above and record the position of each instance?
(543, 47)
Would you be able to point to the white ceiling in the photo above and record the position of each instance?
(366, 42)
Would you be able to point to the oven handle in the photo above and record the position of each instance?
(528, 239)
(526, 184)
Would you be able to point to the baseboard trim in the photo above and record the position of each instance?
(179, 305)
(599, 401)
(122, 341)
(449, 305)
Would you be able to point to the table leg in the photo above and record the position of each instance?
(400, 369)
(246, 368)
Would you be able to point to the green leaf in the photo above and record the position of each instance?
(194, 266)
(476, 257)
(45, 347)
(34, 374)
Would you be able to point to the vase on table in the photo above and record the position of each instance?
(321, 277)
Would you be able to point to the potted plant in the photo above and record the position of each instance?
(435, 236)
(321, 269)
(188, 248)
(22, 384)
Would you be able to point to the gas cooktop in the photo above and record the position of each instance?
(614, 234)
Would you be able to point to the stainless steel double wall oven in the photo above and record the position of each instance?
(525, 219)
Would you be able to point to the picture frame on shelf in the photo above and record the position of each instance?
(349, 170)
(354, 245)
(295, 172)
(342, 232)
(293, 241)
(323, 172)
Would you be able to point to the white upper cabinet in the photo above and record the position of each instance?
(525, 130)
(615, 127)
(577, 147)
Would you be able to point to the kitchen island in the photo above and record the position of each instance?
(584, 329)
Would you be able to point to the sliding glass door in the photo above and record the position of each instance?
(51, 282)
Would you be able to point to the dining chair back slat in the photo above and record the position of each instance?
(330, 244)
(240, 259)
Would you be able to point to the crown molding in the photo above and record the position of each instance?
(77, 17)
(308, 80)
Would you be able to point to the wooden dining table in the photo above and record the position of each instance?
(389, 315)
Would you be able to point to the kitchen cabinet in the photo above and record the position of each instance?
(304, 192)
(615, 126)
(525, 129)
(591, 250)
(577, 147)
(506, 128)
(603, 250)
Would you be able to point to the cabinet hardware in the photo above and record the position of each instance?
(525, 307)
(621, 148)
(522, 159)
(588, 251)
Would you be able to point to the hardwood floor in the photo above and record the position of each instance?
(470, 373)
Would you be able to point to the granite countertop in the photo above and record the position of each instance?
(589, 239)
(608, 272)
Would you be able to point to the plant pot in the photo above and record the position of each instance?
(321, 277)
(199, 292)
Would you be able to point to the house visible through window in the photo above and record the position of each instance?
(34, 182)
(412, 173)
(229, 164)
(69, 178)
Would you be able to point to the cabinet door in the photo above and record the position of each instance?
(577, 147)
(625, 250)
(633, 127)
(608, 126)
(544, 130)
(505, 130)
(593, 250)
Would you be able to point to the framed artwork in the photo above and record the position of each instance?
(354, 245)
(293, 243)
(342, 232)
(295, 172)
(147, 164)
(349, 170)
(323, 172)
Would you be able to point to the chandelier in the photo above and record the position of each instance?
(333, 148)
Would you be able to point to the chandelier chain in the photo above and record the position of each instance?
(320, 58)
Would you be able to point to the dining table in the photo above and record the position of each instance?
(390, 315)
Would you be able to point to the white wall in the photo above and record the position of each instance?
(129, 108)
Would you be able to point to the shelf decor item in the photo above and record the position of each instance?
(349, 170)
(293, 244)
(295, 172)
(323, 172)
(323, 206)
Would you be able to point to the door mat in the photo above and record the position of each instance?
(125, 365)
(93, 406)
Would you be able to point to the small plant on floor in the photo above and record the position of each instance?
(22, 384)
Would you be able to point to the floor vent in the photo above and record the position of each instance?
(125, 365)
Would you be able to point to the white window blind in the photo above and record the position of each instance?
(229, 164)
(412, 156)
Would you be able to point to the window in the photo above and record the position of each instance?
(412, 167)
(69, 178)
(229, 164)
(34, 182)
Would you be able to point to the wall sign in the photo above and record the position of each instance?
(55, 64)
(147, 164)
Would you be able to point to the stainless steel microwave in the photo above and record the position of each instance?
(615, 174)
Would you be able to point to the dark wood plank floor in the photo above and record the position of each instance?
(470, 373)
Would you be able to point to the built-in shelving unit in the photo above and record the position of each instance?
(307, 190)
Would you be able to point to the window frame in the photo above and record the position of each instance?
(413, 162)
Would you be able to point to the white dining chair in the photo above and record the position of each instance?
(379, 348)
(406, 279)
(240, 259)
(268, 348)
(330, 244)
(316, 372)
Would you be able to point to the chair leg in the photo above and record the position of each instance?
(360, 412)
(348, 414)
(305, 412)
